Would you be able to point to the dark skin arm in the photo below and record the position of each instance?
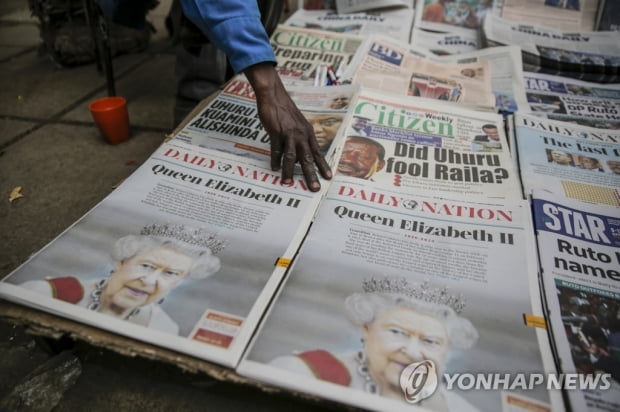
(292, 137)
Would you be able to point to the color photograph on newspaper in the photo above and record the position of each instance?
(390, 289)
(177, 249)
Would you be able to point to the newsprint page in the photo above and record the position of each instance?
(175, 256)
(421, 144)
(230, 123)
(579, 252)
(568, 161)
(385, 279)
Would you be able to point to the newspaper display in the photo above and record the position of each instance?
(567, 15)
(352, 6)
(300, 52)
(579, 249)
(506, 74)
(575, 101)
(350, 284)
(568, 161)
(587, 55)
(175, 256)
(443, 44)
(462, 17)
(230, 122)
(412, 144)
(390, 66)
(395, 24)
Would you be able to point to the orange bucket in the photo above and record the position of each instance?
(111, 116)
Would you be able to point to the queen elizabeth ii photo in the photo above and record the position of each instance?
(146, 267)
(399, 323)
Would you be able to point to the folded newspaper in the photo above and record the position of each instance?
(579, 250)
(566, 15)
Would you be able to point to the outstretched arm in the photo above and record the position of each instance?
(235, 27)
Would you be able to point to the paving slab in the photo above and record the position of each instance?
(10, 128)
(18, 34)
(64, 170)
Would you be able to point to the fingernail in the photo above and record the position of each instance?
(315, 186)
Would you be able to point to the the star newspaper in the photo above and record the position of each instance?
(230, 122)
(571, 100)
(591, 56)
(395, 23)
(362, 301)
(221, 208)
(429, 145)
(579, 253)
(385, 64)
(574, 161)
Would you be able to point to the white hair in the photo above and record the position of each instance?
(205, 263)
(363, 308)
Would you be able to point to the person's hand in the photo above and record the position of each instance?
(292, 137)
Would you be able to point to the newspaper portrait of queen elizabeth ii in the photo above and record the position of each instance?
(399, 323)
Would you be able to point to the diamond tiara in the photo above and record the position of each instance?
(192, 236)
(422, 291)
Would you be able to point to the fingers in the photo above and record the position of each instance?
(307, 167)
(276, 160)
(288, 165)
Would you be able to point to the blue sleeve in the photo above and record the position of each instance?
(234, 26)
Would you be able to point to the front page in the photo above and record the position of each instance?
(182, 255)
(230, 122)
(412, 143)
(571, 163)
(568, 15)
(301, 53)
(366, 300)
(570, 100)
(579, 250)
(387, 65)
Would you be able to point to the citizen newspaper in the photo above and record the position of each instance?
(579, 252)
(415, 143)
(176, 255)
(301, 53)
(576, 162)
